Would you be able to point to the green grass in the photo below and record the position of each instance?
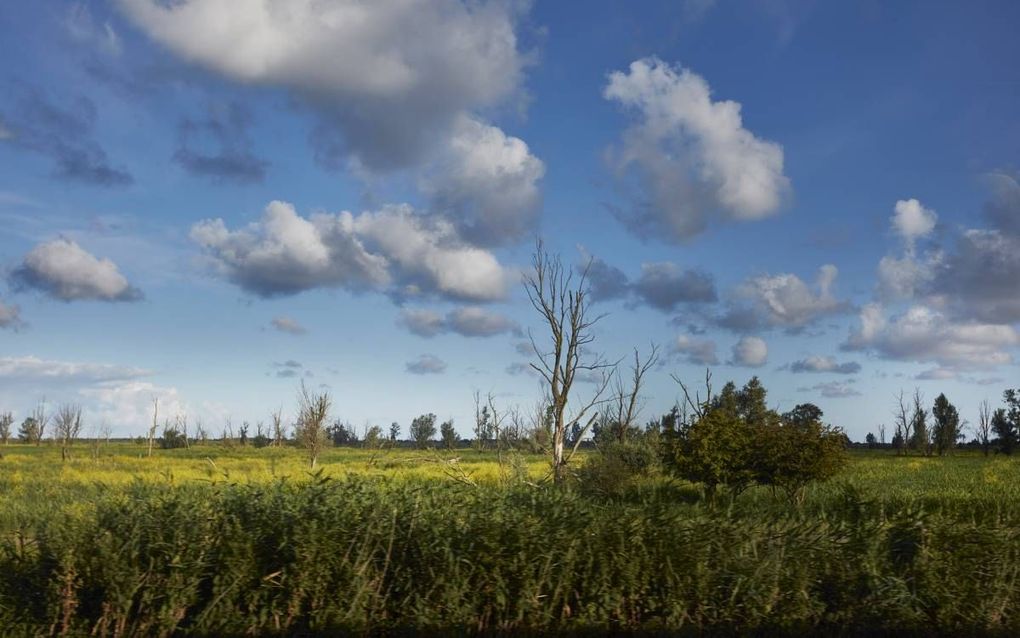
(214, 541)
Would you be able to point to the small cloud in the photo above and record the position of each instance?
(833, 389)
(824, 364)
(288, 325)
(231, 157)
(64, 270)
(518, 368)
(468, 321)
(751, 352)
(10, 317)
(426, 364)
(696, 351)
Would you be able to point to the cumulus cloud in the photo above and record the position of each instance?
(784, 301)
(392, 249)
(923, 334)
(393, 85)
(824, 364)
(912, 221)
(128, 405)
(487, 183)
(10, 317)
(468, 321)
(426, 364)
(689, 158)
(64, 270)
(751, 352)
(288, 325)
(981, 276)
(696, 351)
(63, 134)
(218, 146)
(833, 389)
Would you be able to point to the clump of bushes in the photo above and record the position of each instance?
(733, 441)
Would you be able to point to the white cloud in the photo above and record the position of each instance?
(391, 249)
(751, 352)
(487, 183)
(426, 364)
(33, 369)
(394, 84)
(912, 221)
(696, 351)
(64, 270)
(288, 325)
(128, 406)
(786, 301)
(833, 389)
(923, 334)
(691, 156)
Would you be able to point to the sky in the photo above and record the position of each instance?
(210, 202)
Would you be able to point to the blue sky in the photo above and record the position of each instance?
(209, 201)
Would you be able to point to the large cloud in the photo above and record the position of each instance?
(392, 249)
(64, 270)
(783, 301)
(394, 84)
(469, 321)
(690, 157)
(923, 334)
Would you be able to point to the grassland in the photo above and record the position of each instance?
(229, 541)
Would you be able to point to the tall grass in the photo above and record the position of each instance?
(366, 553)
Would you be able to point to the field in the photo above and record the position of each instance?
(228, 541)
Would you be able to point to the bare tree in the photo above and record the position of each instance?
(278, 434)
(41, 419)
(566, 311)
(68, 427)
(6, 421)
(310, 430)
(903, 423)
(983, 429)
(881, 433)
(155, 423)
(627, 400)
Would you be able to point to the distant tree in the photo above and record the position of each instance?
(278, 428)
(423, 429)
(448, 434)
(945, 426)
(870, 440)
(484, 428)
(394, 431)
(155, 424)
(6, 421)
(67, 423)
(29, 432)
(919, 424)
(881, 433)
(620, 420)
(243, 433)
(310, 430)
(1006, 423)
(261, 438)
(173, 436)
(903, 434)
(342, 434)
(983, 429)
(373, 437)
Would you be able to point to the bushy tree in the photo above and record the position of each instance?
(946, 425)
(6, 421)
(448, 434)
(734, 440)
(29, 432)
(342, 434)
(423, 429)
(394, 431)
(373, 437)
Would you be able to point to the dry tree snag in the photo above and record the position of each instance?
(565, 308)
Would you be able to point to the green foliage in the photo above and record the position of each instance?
(1006, 423)
(946, 426)
(30, 432)
(615, 468)
(735, 441)
(448, 434)
(423, 430)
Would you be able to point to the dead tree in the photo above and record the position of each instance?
(903, 423)
(983, 429)
(565, 308)
(278, 434)
(6, 421)
(310, 431)
(627, 400)
(68, 426)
